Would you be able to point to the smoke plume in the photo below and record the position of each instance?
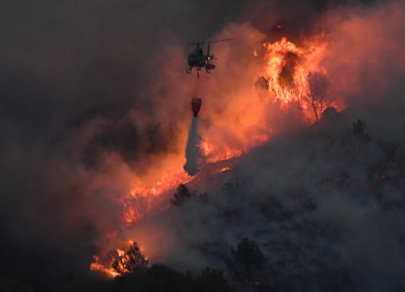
(95, 103)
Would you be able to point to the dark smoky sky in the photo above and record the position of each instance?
(72, 74)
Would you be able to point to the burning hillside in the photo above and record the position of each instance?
(294, 149)
(287, 85)
(287, 71)
(275, 88)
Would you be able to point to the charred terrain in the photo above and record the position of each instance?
(288, 175)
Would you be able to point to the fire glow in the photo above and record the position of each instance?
(96, 266)
(285, 69)
(289, 70)
(140, 198)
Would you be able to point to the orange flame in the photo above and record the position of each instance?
(96, 266)
(140, 198)
(286, 67)
(285, 70)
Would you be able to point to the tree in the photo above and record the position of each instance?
(318, 86)
(293, 92)
(181, 196)
(130, 261)
(211, 280)
(262, 87)
(161, 278)
(246, 261)
(358, 128)
(234, 183)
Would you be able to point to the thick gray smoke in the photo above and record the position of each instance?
(94, 92)
(325, 204)
(193, 153)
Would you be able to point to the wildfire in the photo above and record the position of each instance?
(293, 80)
(121, 260)
(296, 79)
(138, 203)
(211, 154)
(96, 266)
(167, 181)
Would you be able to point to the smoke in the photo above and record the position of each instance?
(193, 153)
(325, 206)
(95, 100)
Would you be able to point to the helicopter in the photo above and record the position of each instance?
(197, 59)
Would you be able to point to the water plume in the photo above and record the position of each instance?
(193, 153)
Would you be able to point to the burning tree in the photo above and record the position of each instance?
(291, 93)
(246, 261)
(130, 261)
(303, 93)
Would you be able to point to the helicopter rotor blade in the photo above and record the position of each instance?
(210, 42)
(217, 41)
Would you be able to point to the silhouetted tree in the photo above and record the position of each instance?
(210, 280)
(234, 183)
(262, 87)
(130, 261)
(318, 86)
(181, 195)
(358, 128)
(83, 285)
(160, 278)
(246, 261)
